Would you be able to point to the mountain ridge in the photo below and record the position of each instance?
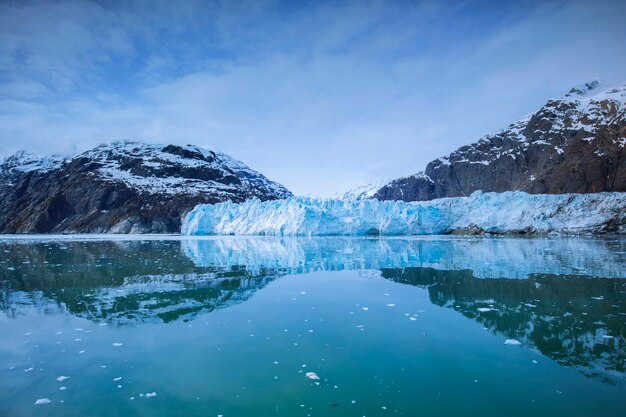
(121, 187)
(574, 144)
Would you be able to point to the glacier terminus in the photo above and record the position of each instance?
(513, 212)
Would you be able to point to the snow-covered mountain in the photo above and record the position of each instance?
(496, 213)
(123, 187)
(574, 144)
(361, 192)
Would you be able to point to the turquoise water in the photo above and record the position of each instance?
(232, 326)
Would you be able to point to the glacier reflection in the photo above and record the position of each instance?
(485, 257)
(566, 298)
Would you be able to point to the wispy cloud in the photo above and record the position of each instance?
(320, 96)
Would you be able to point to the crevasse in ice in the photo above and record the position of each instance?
(507, 212)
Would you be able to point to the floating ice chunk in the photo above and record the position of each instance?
(151, 394)
(312, 375)
(484, 309)
(117, 379)
(512, 342)
(412, 318)
(391, 305)
(606, 336)
(365, 308)
(43, 401)
(117, 344)
(62, 378)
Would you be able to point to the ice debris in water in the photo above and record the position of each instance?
(512, 342)
(312, 375)
(43, 401)
(117, 344)
(484, 309)
(62, 378)
(493, 212)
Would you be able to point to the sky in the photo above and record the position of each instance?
(321, 96)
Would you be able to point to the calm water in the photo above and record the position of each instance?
(231, 326)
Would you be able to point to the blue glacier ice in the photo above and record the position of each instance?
(508, 212)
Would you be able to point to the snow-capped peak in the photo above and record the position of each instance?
(361, 192)
(583, 90)
(160, 169)
(28, 161)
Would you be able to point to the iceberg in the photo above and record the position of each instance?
(495, 213)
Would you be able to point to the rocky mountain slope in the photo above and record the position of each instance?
(571, 145)
(124, 187)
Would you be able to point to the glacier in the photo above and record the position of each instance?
(495, 213)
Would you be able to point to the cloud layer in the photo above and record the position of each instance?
(320, 96)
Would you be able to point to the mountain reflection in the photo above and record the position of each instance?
(576, 321)
(564, 297)
(121, 282)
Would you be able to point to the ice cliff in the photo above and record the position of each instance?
(509, 212)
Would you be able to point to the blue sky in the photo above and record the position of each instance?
(320, 96)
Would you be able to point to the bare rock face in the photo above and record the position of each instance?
(124, 187)
(571, 145)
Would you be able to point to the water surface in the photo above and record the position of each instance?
(231, 326)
